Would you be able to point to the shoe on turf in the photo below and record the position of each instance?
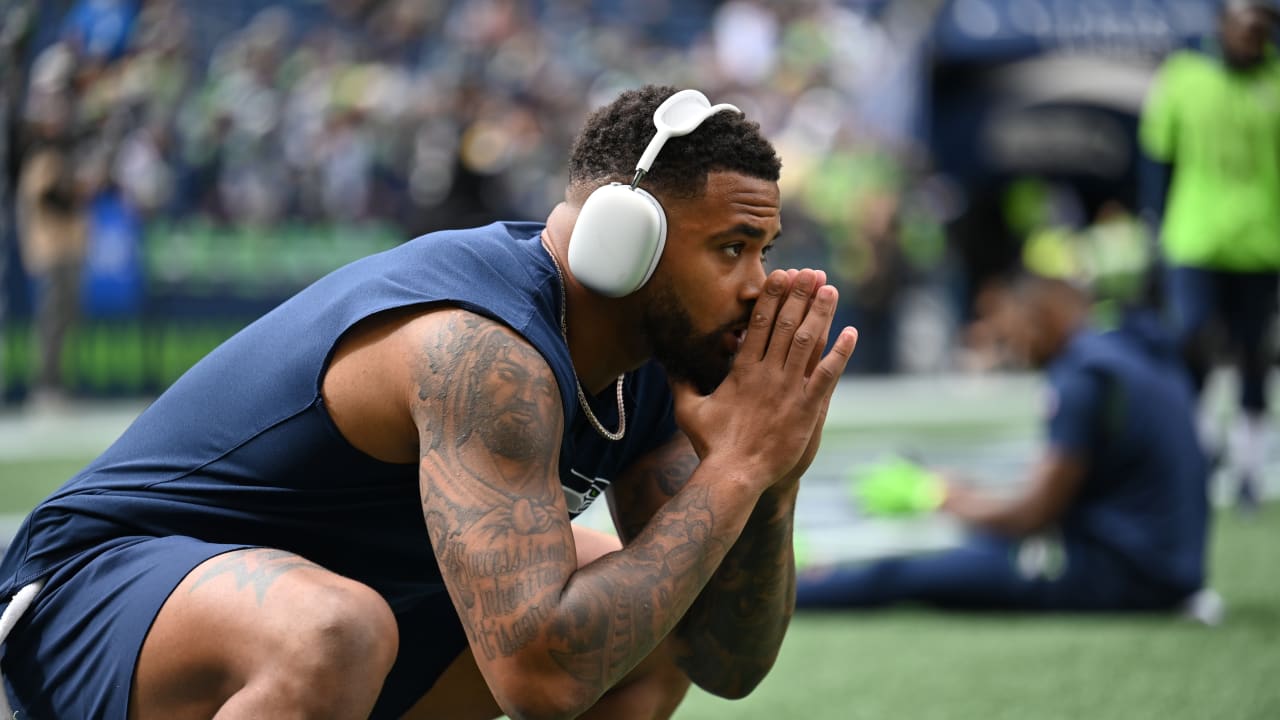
(1204, 606)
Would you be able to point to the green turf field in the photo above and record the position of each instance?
(914, 664)
(24, 482)
(917, 665)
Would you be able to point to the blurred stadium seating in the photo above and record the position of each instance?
(226, 134)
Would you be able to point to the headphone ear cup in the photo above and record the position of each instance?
(617, 240)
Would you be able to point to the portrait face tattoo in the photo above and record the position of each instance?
(508, 402)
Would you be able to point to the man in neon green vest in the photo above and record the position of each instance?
(1214, 120)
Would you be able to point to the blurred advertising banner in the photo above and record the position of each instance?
(156, 298)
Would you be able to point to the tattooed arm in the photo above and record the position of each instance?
(732, 633)
(549, 637)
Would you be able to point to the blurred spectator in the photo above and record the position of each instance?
(54, 188)
(1113, 514)
(141, 168)
(867, 258)
(346, 160)
(99, 30)
(1214, 120)
(15, 26)
(746, 41)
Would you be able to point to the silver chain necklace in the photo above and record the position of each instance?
(582, 397)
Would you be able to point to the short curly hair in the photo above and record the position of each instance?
(616, 135)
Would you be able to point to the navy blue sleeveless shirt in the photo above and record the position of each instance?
(241, 449)
(1127, 406)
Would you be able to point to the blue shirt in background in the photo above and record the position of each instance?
(1120, 402)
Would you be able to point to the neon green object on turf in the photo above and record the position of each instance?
(896, 486)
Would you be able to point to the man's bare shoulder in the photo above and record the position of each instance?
(396, 371)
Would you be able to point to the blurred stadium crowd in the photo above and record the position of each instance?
(238, 129)
(431, 114)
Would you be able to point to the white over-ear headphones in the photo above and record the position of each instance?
(621, 229)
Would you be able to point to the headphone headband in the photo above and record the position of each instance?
(678, 115)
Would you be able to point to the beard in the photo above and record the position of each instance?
(508, 436)
(686, 355)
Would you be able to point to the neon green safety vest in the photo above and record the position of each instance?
(1221, 131)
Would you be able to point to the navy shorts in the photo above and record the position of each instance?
(73, 653)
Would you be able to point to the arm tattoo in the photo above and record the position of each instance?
(633, 499)
(490, 423)
(632, 601)
(737, 624)
(735, 627)
(489, 435)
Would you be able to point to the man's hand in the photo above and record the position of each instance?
(1039, 502)
(760, 429)
(765, 419)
